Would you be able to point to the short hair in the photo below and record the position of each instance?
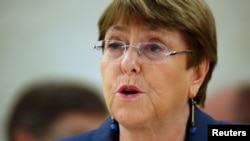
(193, 18)
(40, 104)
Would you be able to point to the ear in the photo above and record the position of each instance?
(198, 75)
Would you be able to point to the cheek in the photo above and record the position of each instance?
(109, 74)
(169, 85)
(161, 79)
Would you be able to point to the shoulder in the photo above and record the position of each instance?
(202, 122)
(205, 118)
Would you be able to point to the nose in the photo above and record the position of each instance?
(130, 64)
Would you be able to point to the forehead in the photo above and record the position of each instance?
(120, 28)
(147, 31)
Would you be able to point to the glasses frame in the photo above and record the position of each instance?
(101, 43)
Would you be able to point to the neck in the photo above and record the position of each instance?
(173, 129)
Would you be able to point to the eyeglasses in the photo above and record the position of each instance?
(149, 52)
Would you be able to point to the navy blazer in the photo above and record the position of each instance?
(104, 132)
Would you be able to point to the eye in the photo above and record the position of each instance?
(153, 47)
(114, 45)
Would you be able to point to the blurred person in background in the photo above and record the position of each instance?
(45, 112)
(230, 103)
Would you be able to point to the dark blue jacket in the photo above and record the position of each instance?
(104, 132)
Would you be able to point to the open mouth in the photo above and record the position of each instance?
(129, 90)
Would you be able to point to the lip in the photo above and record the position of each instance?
(128, 92)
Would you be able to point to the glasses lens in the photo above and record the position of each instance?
(153, 53)
(109, 49)
(114, 49)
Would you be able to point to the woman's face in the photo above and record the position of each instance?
(137, 92)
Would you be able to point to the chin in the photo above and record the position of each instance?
(130, 117)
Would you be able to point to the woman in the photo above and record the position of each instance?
(157, 59)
